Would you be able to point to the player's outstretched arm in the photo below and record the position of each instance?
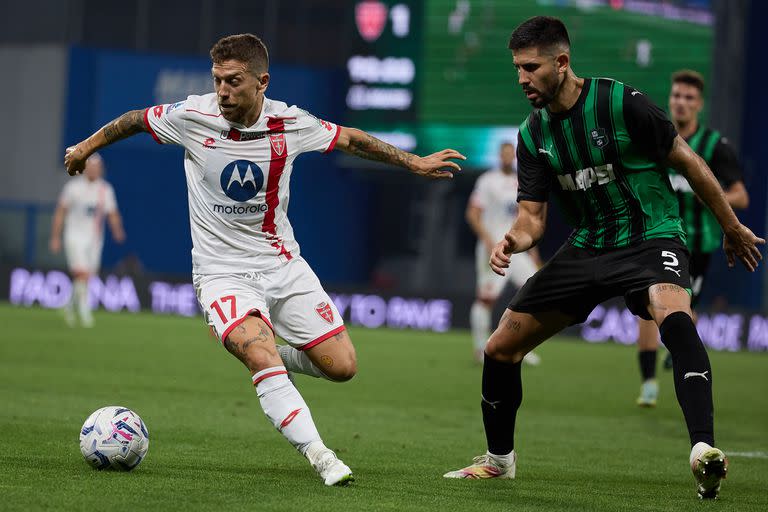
(739, 241)
(525, 233)
(437, 165)
(124, 126)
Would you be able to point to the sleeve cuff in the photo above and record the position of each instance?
(333, 141)
(149, 127)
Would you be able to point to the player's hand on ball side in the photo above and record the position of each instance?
(740, 242)
(74, 159)
(438, 165)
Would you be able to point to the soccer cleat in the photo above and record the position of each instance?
(709, 466)
(331, 469)
(649, 392)
(532, 359)
(667, 361)
(487, 466)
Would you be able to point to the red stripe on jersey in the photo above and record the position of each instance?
(276, 168)
(149, 127)
(333, 142)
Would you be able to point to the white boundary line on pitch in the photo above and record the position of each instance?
(749, 455)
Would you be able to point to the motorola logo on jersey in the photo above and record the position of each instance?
(241, 180)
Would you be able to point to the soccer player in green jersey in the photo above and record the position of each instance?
(602, 149)
(686, 99)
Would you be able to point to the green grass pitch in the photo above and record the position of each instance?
(411, 414)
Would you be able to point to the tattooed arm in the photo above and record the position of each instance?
(124, 126)
(437, 165)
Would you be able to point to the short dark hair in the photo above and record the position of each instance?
(539, 32)
(690, 77)
(246, 48)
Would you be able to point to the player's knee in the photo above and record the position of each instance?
(340, 369)
(499, 348)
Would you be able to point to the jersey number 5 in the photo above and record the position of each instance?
(216, 305)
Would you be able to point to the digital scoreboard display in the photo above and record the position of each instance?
(426, 75)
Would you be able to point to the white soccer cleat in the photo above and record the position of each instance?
(709, 466)
(487, 466)
(649, 392)
(532, 359)
(331, 469)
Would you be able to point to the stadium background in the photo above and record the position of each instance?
(423, 75)
(395, 250)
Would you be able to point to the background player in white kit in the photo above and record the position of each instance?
(83, 205)
(250, 279)
(492, 208)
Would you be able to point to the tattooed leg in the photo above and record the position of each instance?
(253, 343)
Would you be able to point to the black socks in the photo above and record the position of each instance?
(647, 360)
(502, 394)
(692, 374)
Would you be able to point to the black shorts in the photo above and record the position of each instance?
(576, 280)
(698, 271)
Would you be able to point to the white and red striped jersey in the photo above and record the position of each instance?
(496, 194)
(87, 203)
(238, 178)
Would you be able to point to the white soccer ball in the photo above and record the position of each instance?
(114, 437)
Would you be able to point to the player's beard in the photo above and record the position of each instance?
(547, 93)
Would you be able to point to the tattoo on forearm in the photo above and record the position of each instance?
(371, 148)
(124, 126)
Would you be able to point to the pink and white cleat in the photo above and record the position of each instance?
(487, 466)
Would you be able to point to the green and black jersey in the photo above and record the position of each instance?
(602, 160)
(701, 227)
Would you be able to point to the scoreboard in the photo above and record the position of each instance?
(430, 74)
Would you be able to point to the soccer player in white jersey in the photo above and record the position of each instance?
(492, 208)
(250, 278)
(83, 205)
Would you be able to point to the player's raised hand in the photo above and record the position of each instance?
(438, 165)
(740, 242)
(500, 255)
(74, 159)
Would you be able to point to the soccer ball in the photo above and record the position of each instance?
(114, 437)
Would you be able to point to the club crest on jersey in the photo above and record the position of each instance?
(278, 143)
(599, 138)
(241, 180)
(370, 17)
(324, 310)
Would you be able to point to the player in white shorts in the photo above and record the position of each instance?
(250, 278)
(83, 205)
(492, 208)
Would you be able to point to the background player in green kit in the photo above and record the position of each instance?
(602, 149)
(686, 100)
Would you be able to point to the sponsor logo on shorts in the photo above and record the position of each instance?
(324, 310)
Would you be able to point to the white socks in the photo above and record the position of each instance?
(285, 407)
(298, 362)
(480, 324)
(80, 300)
